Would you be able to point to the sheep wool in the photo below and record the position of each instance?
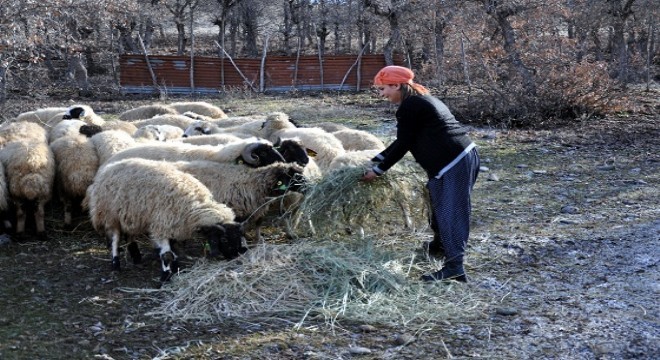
(177, 120)
(354, 140)
(41, 116)
(138, 196)
(30, 169)
(146, 112)
(77, 164)
(246, 190)
(14, 131)
(199, 107)
(111, 142)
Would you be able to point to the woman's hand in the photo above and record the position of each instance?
(370, 175)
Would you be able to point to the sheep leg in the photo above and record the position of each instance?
(114, 248)
(67, 213)
(39, 220)
(20, 218)
(134, 251)
(169, 262)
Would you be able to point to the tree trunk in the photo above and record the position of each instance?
(509, 36)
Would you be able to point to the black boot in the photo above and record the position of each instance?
(448, 272)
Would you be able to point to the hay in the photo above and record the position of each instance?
(396, 201)
(309, 282)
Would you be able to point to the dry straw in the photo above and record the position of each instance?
(339, 202)
(311, 282)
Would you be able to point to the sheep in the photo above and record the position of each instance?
(124, 126)
(253, 152)
(77, 163)
(324, 144)
(79, 112)
(65, 128)
(246, 190)
(13, 131)
(330, 126)
(199, 107)
(168, 119)
(138, 196)
(4, 200)
(108, 143)
(29, 166)
(242, 129)
(355, 140)
(41, 116)
(159, 132)
(293, 151)
(361, 158)
(146, 112)
(213, 139)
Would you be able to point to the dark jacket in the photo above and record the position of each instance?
(427, 129)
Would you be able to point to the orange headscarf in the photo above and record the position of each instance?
(392, 75)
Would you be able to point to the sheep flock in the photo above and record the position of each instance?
(170, 172)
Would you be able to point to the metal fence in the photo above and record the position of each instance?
(173, 74)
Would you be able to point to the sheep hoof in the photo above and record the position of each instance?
(134, 251)
(116, 266)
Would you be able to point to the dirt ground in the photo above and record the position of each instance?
(563, 252)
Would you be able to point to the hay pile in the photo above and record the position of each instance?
(339, 202)
(298, 283)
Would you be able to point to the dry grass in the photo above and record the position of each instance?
(309, 281)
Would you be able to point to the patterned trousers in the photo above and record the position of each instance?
(451, 206)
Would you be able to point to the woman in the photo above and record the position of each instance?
(440, 144)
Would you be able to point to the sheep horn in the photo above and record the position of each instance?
(249, 156)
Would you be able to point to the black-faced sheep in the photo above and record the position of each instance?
(146, 112)
(252, 152)
(77, 112)
(138, 196)
(77, 164)
(324, 144)
(246, 190)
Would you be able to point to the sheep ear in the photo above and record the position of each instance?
(311, 153)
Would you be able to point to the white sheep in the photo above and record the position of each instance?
(13, 131)
(41, 116)
(125, 126)
(213, 139)
(168, 119)
(330, 126)
(77, 163)
(78, 112)
(110, 142)
(246, 190)
(323, 144)
(361, 159)
(199, 107)
(30, 170)
(354, 140)
(146, 112)
(241, 128)
(253, 152)
(137, 196)
(158, 132)
(65, 128)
